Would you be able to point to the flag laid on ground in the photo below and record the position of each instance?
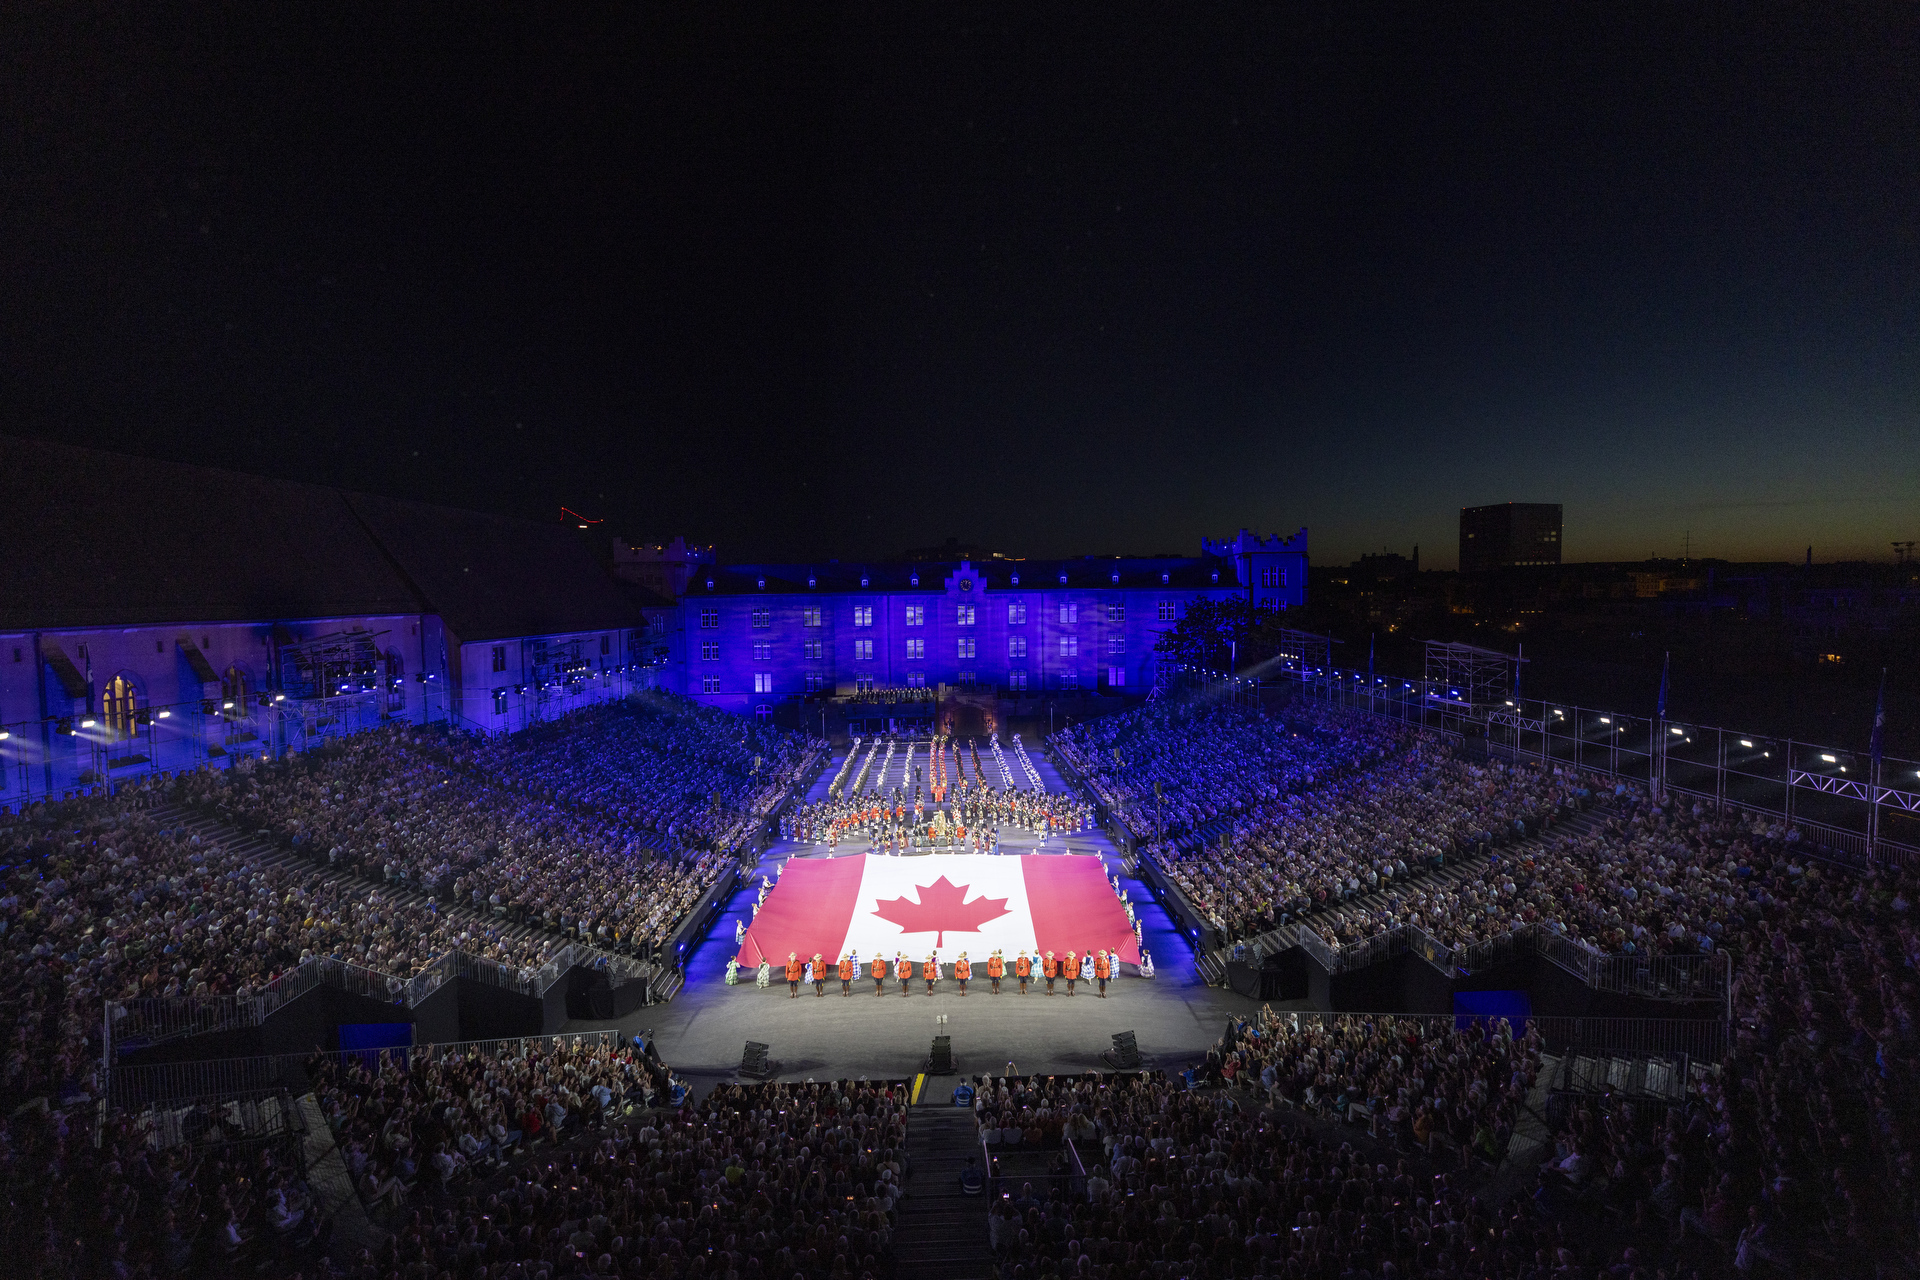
(949, 903)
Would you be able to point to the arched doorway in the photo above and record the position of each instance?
(120, 706)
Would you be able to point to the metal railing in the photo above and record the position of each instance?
(134, 1088)
(1700, 1039)
(148, 1021)
(1693, 978)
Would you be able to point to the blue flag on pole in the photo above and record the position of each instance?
(1879, 720)
(1661, 712)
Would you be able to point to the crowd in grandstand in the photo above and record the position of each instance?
(104, 899)
(1349, 854)
(120, 1207)
(753, 1181)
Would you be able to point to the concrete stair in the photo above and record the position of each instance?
(942, 1232)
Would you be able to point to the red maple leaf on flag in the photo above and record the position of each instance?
(942, 906)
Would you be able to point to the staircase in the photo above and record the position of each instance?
(942, 1232)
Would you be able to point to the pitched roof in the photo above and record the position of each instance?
(113, 540)
(104, 539)
(490, 577)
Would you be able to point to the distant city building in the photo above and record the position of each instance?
(1512, 533)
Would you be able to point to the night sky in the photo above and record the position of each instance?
(840, 281)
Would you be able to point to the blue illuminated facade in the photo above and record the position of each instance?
(748, 637)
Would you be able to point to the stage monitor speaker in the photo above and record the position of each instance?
(754, 1062)
(940, 1061)
(1126, 1052)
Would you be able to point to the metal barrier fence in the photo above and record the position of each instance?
(1701, 1039)
(1696, 978)
(133, 1088)
(1830, 795)
(253, 1119)
(145, 1022)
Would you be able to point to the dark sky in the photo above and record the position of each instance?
(836, 281)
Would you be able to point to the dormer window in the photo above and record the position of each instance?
(1016, 579)
(1116, 577)
(1216, 575)
(863, 580)
(915, 579)
(1063, 579)
(709, 584)
(763, 584)
(813, 582)
(1165, 578)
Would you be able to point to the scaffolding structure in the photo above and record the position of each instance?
(1472, 682)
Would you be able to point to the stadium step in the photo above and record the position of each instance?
(333, 1192)
(942, 1232)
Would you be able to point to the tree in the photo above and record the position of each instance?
(1216, 634)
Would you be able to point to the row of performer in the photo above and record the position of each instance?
(1095, 967)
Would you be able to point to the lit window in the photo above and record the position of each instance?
(916, 648)
(1116, 644)
(1116, 677)
(863, 615)
(1116, 613)
(863, 650)
(966, 646)
(810, 616)
(1069, 646)
(916, 615)
(963, 615)
(763, 651)
(763, 682)
(816, 649)
(1016, 613)
(1069, 613)
(1016, 646)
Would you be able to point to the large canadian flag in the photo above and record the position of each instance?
(947, 903)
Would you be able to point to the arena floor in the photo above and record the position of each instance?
(702, 1031)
